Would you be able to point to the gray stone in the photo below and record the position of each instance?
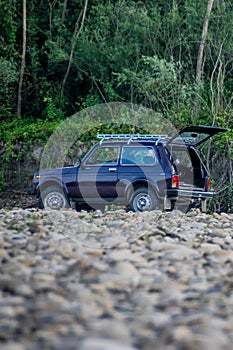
(115, 280)
(104, 344)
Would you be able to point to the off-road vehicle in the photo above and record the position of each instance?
(140, 172)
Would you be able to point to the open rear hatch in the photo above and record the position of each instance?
(194, 178)
(195, 135)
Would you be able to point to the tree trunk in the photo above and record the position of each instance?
(77, 32)
(200, 55)
(64, 11)
(23, 59)
(51, 7)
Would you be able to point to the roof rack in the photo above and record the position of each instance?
(132, 137)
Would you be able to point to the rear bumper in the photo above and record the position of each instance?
(189, 194)
(186, 197)
(195, 194)
(172, 193)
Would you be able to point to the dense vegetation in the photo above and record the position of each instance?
(58, 57)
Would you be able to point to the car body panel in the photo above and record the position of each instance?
(99, 181)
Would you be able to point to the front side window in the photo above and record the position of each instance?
(104, 155)
(138, 155)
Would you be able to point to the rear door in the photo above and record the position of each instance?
(182, 146)
(195, 135)
(140, 163)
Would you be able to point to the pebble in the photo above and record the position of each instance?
(115, 280)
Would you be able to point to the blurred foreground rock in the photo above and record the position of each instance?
(115, 280)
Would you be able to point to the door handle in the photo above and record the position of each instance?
(112, 169)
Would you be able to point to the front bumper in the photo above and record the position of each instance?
(31, 191)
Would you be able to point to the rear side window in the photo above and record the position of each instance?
(138, 155)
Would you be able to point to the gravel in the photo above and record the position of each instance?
(115, 280)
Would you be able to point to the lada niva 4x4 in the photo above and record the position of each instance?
(141, 172)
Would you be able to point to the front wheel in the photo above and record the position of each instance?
(54, 198)
(143, 199)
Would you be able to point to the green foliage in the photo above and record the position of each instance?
(8, 84)
(8, 28)
(91, 99)
(52, 111)
(133, 51)
(16, 135)
(157, 83)
(115, 38)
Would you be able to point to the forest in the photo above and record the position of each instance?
(58, 57)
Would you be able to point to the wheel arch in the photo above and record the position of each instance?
(140, 183)
(51, 182)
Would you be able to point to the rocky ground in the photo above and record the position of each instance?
(17, 197)
(115, 280)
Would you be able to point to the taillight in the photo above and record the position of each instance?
(207, 184)
(175, 181)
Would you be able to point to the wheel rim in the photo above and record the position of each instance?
(142, 202)
(54, 200)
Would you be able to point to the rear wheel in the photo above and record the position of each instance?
(143, 199)
(54, 198)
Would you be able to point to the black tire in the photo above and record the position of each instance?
(53, 197)
(88, 207)
(84, 206)
(143, 199)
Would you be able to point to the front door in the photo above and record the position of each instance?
(98, 176)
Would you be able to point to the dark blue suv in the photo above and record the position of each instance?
(139, 172)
